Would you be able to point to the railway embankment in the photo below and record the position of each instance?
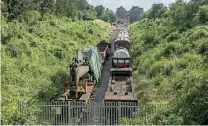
(170, 67)
(35, 57)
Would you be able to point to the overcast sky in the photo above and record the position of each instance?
(113, 4)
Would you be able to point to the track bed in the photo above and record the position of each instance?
(103, 81)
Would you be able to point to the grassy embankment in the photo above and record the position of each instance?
(35, 55)
(170, 67)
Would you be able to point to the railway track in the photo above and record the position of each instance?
(98, 93)
(104, 79)
(95, 99)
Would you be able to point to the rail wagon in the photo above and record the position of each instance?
(85, 70)
(120, 85)
(104, 49)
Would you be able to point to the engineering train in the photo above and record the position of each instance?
(85, 71)
(86, 68)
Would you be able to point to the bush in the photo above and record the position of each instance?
(13, 50)
(30, 16)
(173, 36)
(203, 14)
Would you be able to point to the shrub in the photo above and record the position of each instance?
(30, 16)
(173, 36)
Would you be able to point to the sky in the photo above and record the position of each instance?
(113, 4)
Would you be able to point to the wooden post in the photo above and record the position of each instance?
(66, 85)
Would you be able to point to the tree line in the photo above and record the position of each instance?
(134, 14)
(75, 9)
(159, 10)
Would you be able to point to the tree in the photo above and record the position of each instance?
(135, 13)
(3, 7)
(112, 16)
(17, 7)
(89, 15)
(182, 13)
(109, 16)
(82, 4)
(62, 8)
(157, 11)
(121, 12)
(76, 9)
(46, 6)
(68, 8)
(203, 14)
(100, 11)
(105, 17)
(199, 2)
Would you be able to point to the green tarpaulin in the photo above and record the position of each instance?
(93, 56)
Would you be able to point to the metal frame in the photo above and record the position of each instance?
(79, 113)
(123, 59)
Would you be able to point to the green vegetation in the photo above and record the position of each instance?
(39, 39)
(134, 14)
(35, 55)
(75, 9)
(121, 12)
(170, 59)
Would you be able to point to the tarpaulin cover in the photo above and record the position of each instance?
(94, 57)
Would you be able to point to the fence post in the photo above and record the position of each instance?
(119, 113)
(69, 113)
